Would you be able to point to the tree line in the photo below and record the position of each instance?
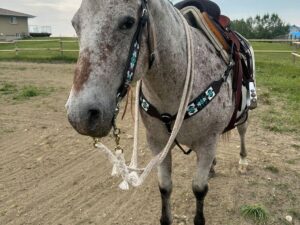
(261, 27)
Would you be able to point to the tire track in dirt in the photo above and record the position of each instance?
(56, 179)
(44, 199)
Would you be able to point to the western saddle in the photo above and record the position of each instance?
(205, 15)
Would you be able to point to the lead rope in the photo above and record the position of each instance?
(130, 174)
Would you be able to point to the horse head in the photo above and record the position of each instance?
(105, 29)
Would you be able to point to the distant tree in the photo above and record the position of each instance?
(266, 26)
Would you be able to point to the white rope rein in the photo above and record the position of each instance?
(132, 175)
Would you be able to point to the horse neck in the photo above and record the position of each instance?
(163, 84)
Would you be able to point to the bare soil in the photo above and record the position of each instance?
(51, 175)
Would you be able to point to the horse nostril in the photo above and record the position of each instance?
(93, 115)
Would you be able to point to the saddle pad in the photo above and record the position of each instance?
(193, 15)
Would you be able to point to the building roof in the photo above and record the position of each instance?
(295, 34)
(6, 12)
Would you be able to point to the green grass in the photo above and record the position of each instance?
(8, 88)
(295, 146)
(272, 169)
(28, 92)
(292, 161)
(23, 93)
(256, 213)
(279, 79)
(41, 56)
(273, 46)
(282, 82)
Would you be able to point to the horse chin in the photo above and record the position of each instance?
(99, 133)
(94, 131)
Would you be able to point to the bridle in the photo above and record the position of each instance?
(134, 51)
(132, 61)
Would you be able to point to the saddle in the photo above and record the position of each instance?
(205, 15)
(203, 5)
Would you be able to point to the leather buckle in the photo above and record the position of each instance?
(166, 118)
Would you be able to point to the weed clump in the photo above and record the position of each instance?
(256, 212)
(28, 92)
(272, 169)
(8, 88)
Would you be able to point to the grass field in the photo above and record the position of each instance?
(278, 81)
(41, 56)
(278, 77)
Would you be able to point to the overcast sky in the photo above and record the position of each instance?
(58, 13)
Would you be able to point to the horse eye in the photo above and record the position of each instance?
(127, 23)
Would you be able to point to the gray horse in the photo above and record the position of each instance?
(105, 29)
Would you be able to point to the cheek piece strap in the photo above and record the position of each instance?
(134, 51)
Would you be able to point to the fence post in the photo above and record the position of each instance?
(16, 48)
(294, 46)
(61, 47)
(294, 59)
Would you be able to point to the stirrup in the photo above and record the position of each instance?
(251, 96)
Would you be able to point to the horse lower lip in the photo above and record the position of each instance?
(98, 133)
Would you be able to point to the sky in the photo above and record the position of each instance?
(58, 13)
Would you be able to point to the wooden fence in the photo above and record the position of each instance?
(60, 48)
(273, 40)
(295, 53)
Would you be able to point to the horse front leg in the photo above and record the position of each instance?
(164, 180)
(243, 164)
(165, 187)
(205, 158)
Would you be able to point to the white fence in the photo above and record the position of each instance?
(60, 47)
(294, 53)
(273, 40)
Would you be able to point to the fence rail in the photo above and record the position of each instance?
(273, 40)
(272, 51)
(294, 56)
(61, 48)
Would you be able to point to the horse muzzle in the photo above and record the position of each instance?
(90, 121)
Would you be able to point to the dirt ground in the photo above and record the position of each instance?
(51, 175)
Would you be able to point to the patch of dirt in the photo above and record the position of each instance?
(51, 175)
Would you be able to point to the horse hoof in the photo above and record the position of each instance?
(243, 165)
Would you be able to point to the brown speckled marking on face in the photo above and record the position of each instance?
(82, 71)
(105, 51)
(105, 47)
